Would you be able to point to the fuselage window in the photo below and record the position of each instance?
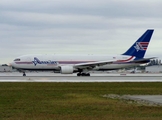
(17, 59)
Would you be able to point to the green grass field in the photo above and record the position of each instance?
(76, 101)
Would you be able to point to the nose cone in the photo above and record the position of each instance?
(12, 64)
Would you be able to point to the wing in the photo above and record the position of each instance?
(144, 60)
(91, 65)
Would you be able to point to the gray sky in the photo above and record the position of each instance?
(77, 26)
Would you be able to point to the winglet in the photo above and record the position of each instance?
(139, 48)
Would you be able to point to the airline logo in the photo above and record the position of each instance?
(37, 61)
(141, 46)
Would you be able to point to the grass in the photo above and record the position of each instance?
(76, 101)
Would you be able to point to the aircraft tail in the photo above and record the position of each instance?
(139, 48)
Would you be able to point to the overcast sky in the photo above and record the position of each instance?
(77, 26)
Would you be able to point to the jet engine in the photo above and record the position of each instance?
(67, 69)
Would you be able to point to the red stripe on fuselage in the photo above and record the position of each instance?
(126, 59)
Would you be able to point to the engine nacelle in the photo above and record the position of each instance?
(67, 69)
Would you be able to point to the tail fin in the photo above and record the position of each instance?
(139, 48)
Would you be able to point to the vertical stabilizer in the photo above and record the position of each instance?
(139, 48)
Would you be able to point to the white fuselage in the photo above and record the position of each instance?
(53, 62)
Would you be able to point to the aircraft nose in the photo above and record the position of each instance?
(12, 64)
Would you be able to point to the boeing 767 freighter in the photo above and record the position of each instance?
(83, 64)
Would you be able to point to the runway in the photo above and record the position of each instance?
(52, 77)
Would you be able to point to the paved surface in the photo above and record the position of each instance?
(151, 99)
(79, 79)
(55, 77)
(92, 74)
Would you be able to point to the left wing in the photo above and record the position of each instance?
(91, 65)
(143, 60)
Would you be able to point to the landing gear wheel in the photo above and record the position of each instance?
(24, 74)
(84, 74)
(79, 74)
(88, 74)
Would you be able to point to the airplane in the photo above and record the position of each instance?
(83, 64)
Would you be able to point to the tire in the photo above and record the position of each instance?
(84, 74)
(88, 74)
(79, 74)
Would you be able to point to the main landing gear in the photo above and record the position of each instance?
(83, 74)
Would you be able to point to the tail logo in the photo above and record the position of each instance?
(141, 46)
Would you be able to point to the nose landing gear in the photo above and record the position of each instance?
(24, 74)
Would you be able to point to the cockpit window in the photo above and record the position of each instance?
(17, 59)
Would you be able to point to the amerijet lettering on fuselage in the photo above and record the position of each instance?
(83, 64)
